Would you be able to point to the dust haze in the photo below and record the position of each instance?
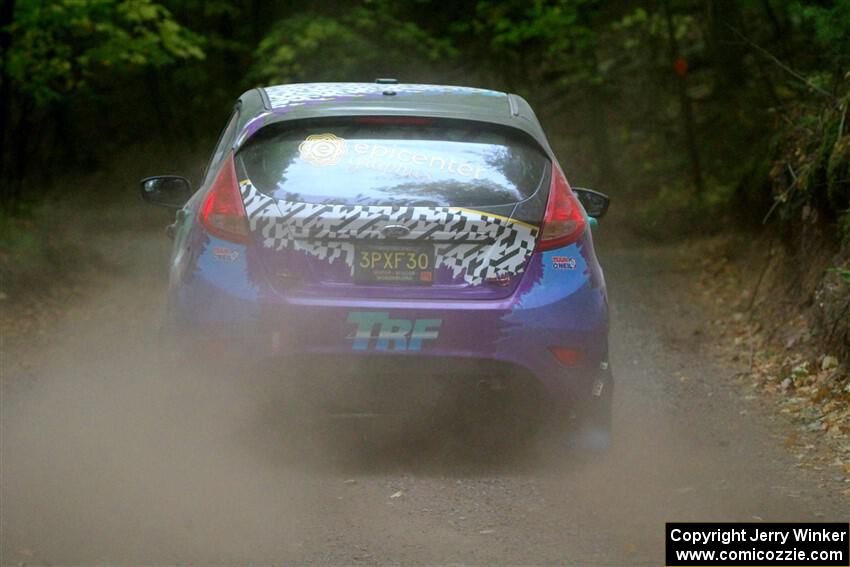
(107, 460)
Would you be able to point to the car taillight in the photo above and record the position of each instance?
(223, 213)
(395, 120)
(563, 222)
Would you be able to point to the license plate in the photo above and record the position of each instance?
(394, 264)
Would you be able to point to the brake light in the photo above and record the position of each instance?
(223, 213)
(563, 222)
(397, 120)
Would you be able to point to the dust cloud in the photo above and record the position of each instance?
(105, 459)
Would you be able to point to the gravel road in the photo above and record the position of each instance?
(104, 461)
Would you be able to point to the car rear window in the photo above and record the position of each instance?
(398, 161)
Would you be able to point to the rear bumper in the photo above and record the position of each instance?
(227, 312)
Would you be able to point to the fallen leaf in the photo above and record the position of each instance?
(829, 362)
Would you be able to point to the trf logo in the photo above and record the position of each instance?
(391, 334)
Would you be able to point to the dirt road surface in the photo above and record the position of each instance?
(105, 461)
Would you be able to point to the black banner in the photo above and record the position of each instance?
(759, 544)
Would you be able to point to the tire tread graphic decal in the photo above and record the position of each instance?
(491, 246)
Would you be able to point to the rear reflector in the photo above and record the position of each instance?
(567, 356)
(563, 222)
(223, 213)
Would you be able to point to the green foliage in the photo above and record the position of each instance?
(314, 47)
(301, 44)
(812, 172)
(673, 212)
(599, 74)
(829, 23)
(844, 228)
(559, 33)
(58, 47)
(838, 174)
(843, 273)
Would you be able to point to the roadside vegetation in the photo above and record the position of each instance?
(725, 118)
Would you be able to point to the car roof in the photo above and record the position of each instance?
(266, 105)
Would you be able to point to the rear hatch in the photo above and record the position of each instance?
(393, 207)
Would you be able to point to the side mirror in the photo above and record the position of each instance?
(170, 191)
(594, 202)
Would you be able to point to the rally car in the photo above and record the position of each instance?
(411, 245)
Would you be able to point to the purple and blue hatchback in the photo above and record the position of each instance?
(420, 241)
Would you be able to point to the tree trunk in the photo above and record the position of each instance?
(606, 169)
(6, 14)
(726, 49)
(685, 103)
